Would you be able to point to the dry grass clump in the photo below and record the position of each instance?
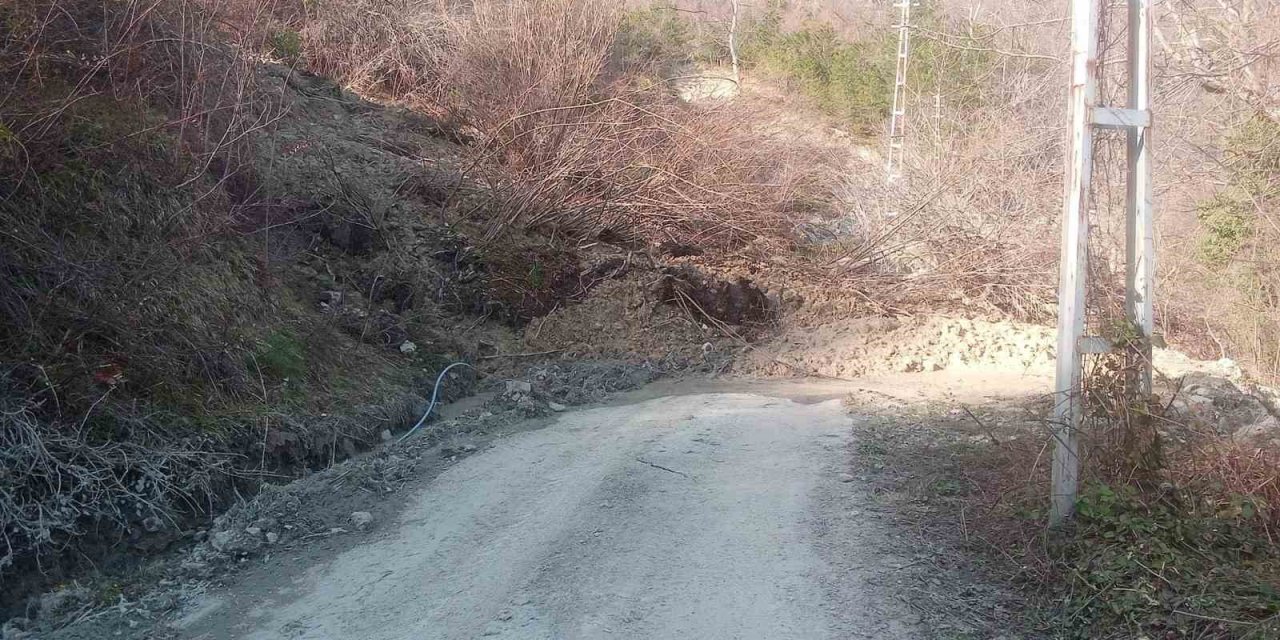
(1232, 478)
(388, 48)
(126, 132)
(1185, 550)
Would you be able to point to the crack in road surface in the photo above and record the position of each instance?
(558, 533)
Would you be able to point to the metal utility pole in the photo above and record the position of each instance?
(1085, 116)
(733, 47)
(897, 132)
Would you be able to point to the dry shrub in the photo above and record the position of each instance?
(981, 186)
(160, 63)
(689, 177)
(574, 135)
(519, 71)
(57, 484)
(1232, 478)
(576, 141)
(1213, 472)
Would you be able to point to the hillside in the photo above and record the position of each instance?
(242, 242)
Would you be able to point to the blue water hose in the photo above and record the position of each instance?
(435, 393)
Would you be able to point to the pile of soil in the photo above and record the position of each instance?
(868, 346)
(677, 317)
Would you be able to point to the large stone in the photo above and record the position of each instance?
(361, 520)
(1263, 431)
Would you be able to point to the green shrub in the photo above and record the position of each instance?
(1230, 217)
(1227, 219)
(287, 45)
(1253, 152)
(654, 38)
(853, 80)
(1159, 566)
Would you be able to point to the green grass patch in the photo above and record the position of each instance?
(281, 355)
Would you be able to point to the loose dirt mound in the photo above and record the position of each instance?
(868, 346)
(677, 317)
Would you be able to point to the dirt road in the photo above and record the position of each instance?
(720, 515)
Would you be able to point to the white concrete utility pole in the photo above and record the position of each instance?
(1135, 120)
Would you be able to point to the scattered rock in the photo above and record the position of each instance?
(195, 568)
(361, 520)
(222, 540)
(272, 537)
(386, 435)
(846, 477)
(14, 629)
(556, 406)
(1216, 401)
(55, 603)
(518, 386)
(585, 382)
(330, 300)
(1264, 431)
(408, 347)
(1197, 401)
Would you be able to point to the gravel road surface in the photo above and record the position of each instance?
(717, 515)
